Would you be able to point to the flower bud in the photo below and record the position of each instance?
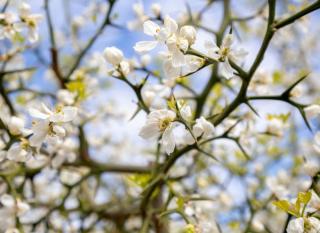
(189, 33)
(156, 9)
(113, 55)
(15, 125)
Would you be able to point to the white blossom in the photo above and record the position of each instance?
(192, 64)
(189, 33)
(15, 206)
(203, 128)
(16, 126)
(177, 42)
(160, 34)
(66, 97)
(160, 122)
(155, 95)
(185, 111)
(302, 225)
(20, 151)
(30, 20)
(8, 27)
(115, 57)
(69, 177)
(48, 126)
(225, 53)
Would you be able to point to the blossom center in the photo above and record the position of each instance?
(164, 123)
(24, 143)
(307, 225)
(224, 52)
(29, 21)
(51, 131)
(59, 109)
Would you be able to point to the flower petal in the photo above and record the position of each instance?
(150, 28)
(149, 131)
(178, 58)
(296, 226)
(38, 114)
(170, 24)
(168, 141)
(69, 113)
(227, 41)
(226, 69)
(7, 201)
(145, 46)
(238, 55)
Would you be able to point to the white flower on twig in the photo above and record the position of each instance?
(49, 127)
(224, 54)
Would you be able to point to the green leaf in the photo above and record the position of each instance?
(180, 203)
(240, 170)
(304, 197)
(21, 100)
(288, 207)
(189, 229)
(284, 117)
(18, 38)
(78, 87)
(234, 225)
(217, 89)
(282, 204)
(172, 104)
(277, 76)
(141, 180)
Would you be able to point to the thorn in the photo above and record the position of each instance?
(135, 113)
(143, 82)
(287, 92)
(252, 109)
(232, 127)
(305, 119)
(243, 150)
(207, 153)
(230, 31)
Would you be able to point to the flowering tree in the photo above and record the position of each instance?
(219, 133)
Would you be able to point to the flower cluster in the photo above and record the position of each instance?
(303, 222)
(47, 128)
(161, 123)
(12, 25)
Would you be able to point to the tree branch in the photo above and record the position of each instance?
(298, 15)
(83, 52)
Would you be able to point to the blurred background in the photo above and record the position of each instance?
(113, 137)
